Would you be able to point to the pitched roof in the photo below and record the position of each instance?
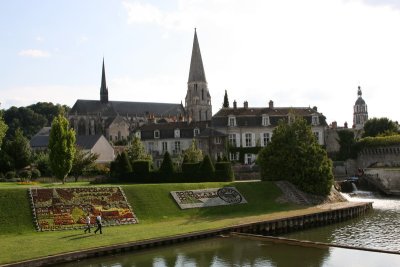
(112, 108)
(196, 72)
(41, 139)
(210, 132)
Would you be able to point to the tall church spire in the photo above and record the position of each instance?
(198, 98)
(103, 88)
(360, 114)
(196, 72)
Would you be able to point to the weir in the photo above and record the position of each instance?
(328, 214)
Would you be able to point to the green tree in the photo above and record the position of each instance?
(42, 162)
(61, 147)
(347, 145)
(121, 167)
(19, 150)
(3, 128)
(83, 161)
(193, 154)
(295, 155)
(167, 167)
(49, 110)
(380, 127)
(25, 119)
(226, 101)
(207, 168)
(136, 151)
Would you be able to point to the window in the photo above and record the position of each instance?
(266, 138)
(196, 131)
(164, 147)
(232, 140)
(217, 140)
(150, 147)
(248, 139)
(317, 136)
(119, 135)
(138, 134)
(234, 156)
(177, 133)
(177, 149)
(231, 121)
(156, 134)
(291, 119)
(265, 120)
(315, 120)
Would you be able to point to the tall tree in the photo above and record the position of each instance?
(380, 127)
(83, 161)
(226, 101)
(49, 110)
(136, 151)
(167, 167)
(61, 147)
(25, 119)
(19, 150)
(3, 128)
(193, 154)
(295, 155)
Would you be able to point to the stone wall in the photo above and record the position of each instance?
(379, 157)
(385, 179)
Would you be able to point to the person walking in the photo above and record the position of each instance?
(87, 229)
(98, 222)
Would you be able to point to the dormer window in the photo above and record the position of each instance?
(231, 121)
(315, 120)
(291, 119)
(138, 134)
(196, 131)
(177, 133)
(156, 134)
(265, 120)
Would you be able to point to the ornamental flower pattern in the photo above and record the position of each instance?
(66, 208)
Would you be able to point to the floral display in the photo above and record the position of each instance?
(66, 208)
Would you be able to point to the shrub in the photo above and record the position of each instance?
(25, 174)
(167, 168)
(207, 169)
(10, 175)
(141, 168)
(35, 174)
(121, 167)
(224, 172)
(191, 171)
(2, 175)
(2, 180)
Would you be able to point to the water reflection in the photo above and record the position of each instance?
(378, 229)
(236, 251)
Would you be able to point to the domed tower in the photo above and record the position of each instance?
(198, 99)
(360, 115)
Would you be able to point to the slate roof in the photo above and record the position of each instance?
(167, 130)
(113, 108)
(360, 101)
(41, 139)
(196, 72)
(210, 132)
(252, 117)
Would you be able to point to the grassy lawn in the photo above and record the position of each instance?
(158, 215)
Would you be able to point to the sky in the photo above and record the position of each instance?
(295, 53)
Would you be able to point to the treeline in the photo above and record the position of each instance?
(17, 126)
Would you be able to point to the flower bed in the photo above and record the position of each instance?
(66, 208)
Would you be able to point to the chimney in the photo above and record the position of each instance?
(246, 104)
(346, 125)
(234, 104)
(334, 125)
(315, 108)
(271, 104)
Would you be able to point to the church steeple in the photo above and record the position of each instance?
(360, 111)
(103, 88)
(196, 72)
(198, 99)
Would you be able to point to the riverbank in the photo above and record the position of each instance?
(159, 217)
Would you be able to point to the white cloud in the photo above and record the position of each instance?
(35, 53)
(82, 39)
(27, 95)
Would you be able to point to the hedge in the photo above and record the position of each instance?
(141, 167)
(224, 172)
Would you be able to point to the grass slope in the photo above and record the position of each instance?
(158, 214)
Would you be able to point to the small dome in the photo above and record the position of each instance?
(360, 101)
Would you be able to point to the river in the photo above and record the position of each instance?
(378, 229)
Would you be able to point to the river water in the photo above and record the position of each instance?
(379, 229)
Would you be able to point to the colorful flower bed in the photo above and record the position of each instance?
(67, 208)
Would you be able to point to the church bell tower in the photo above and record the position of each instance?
(198, 99)
(360, 115)
(103, 88)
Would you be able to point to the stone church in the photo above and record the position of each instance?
(117, 120)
